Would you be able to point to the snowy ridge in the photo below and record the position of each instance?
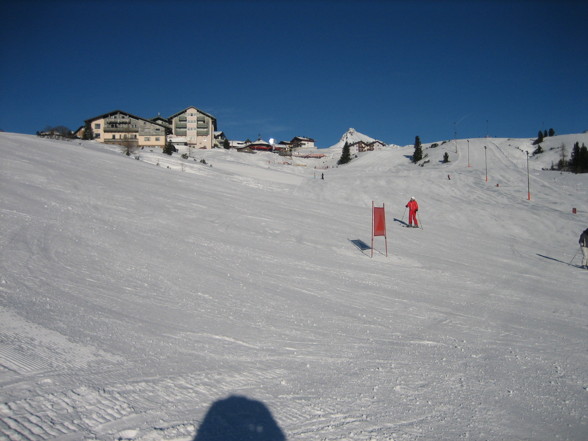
(140, 299)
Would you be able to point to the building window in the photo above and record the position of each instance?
(147, 138)
(97, 126)
(157, 138)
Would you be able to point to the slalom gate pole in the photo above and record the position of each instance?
(574, 256)
(372, 229)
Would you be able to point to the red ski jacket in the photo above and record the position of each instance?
(412, 205)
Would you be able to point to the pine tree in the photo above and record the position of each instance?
(345, 155)
(583, 159)
(169, 148)
(418, 150)
(88, 132)
(446, 158)
(574, 163)
(551, 132)
(579, 159)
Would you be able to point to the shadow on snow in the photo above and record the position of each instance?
(361, 245)
(239, 418)
(560, 261)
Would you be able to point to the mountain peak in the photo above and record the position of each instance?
(352, 136)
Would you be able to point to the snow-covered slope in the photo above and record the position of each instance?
(237, 297)
(512, 149)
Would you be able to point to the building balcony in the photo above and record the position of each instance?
(121, 129)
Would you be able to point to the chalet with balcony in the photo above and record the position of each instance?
(122, 128)
(362, 146)
(302, 142)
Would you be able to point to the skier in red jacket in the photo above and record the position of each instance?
(413, 207)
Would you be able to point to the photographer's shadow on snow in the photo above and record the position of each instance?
(239, 418)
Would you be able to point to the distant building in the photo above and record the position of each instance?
(122, 128)
(220, 140)
(190, 127)
(161, 120)
(302, 142)
(362, 146)
(193, 128)
(237, 144)
(187, 129)
(260, 145)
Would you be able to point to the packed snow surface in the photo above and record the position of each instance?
(233, 296)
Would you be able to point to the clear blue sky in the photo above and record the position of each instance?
(390, 69)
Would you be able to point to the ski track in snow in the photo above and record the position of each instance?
(134, 296)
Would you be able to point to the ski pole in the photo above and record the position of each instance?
(574, 256)
(419, 220)
(402, 220)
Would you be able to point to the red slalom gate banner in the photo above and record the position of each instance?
(379, 225)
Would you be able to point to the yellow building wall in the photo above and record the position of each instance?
(152, 141)
(112, 137)
(100, 131)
